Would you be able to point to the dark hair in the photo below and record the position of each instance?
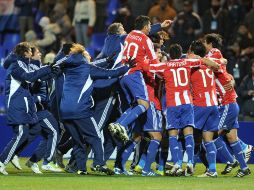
(175, 51)
(22, 48)
(67, 48)
(198, 48)
(156, 46)
(141, 21)
(214, 39)
(114, 28)
(155, 38)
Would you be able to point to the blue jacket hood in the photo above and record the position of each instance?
(75, 60)
(12, 57)
(112, 44)
(9, 59)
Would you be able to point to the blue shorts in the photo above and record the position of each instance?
(179, 117)
(206, 118)
(153, 121)
(134, 87)
(150, 121)
(229, 116)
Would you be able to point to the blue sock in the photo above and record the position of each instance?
(123, 116)
(127, 152)
(132, 115)
(174, 148)
(142, 161)
(223, 150)
(189, 145)
(151, 154)
(238, 152)
(211, 155)
(180, 154)
(243, 145)
(161, 161)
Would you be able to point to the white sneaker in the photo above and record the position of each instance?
(15, 162)
(51, 167)
(2, 169)
(209, 174)
(247, 153)
(175, 171)
(34, 167)
(119, 131)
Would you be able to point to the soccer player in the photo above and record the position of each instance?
(206, 113)
(176, 74)
(75, 108)
(152, 124)
(228, 111)
(21, 113)
(47, 122)
(137, 45)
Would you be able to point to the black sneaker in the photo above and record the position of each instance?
(242, 173)
(229, 167)
(59, 159)
(103, 169)
(71, 168)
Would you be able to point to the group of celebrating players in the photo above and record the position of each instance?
(134, 97)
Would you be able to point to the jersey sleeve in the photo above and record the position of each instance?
(157, 68)
(148, 45)
(194, 62)
(21, 73)
(101, 73)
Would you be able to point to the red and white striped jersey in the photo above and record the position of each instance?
(176, 74)
(203, 87)
(149, 78)
(139, 46)
(222, 78)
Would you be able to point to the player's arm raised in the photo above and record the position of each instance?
(210, 63)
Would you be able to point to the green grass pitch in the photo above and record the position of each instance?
(26, 180)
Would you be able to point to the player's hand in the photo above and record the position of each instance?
(110, 59)
(166, 23)
(229, 86)
(55, 69)
(131, 62)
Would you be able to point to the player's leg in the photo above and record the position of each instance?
(231, 125)
(129, 148)
(173, 123)
(152, 125)
(93, 136)
(187, 122)
(79, 149)
(51, 134)
(210, 153)
(210, 127)
(20, 135)
(152, 152)
(135, 88)
(237, 150)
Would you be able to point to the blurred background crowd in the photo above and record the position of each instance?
(49, 23)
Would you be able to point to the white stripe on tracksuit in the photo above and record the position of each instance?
(223, 117)
(97, 129)
(105, 112)
(54, 141)
(14, 146)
